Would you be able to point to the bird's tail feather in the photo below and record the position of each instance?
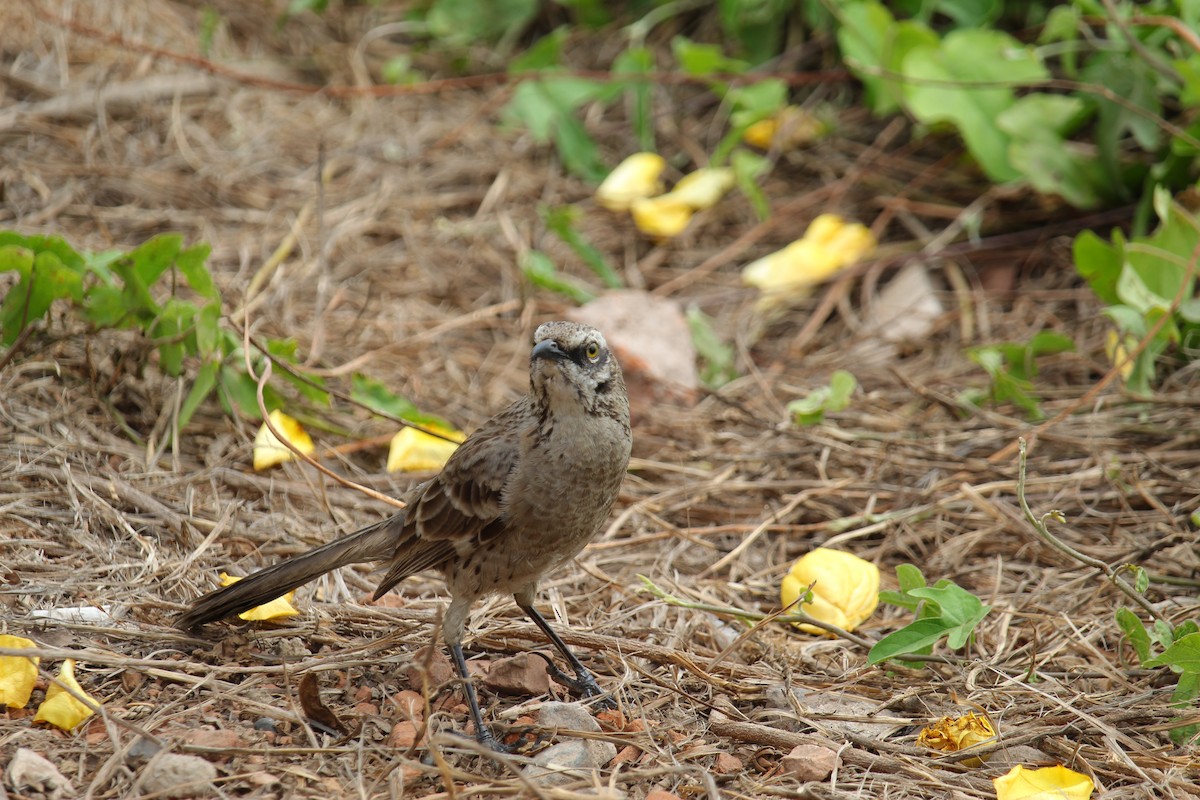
(374, 543)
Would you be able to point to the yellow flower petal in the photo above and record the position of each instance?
(792, 127)
(18, 674)
(269, 451)
(829, 245)
(951, 734)
(1048, 783)
(661, 217)
(635, 177)
(1117, 349)
(845, 588)
(279, 607)
(702, 188)
(61, 708)
(416, 451)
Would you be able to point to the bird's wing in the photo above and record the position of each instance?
(464, 502)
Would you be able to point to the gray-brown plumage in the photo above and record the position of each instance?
(521, 497)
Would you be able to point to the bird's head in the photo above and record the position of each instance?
(571, 368)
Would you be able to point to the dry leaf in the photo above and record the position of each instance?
(18, 674)
(279, 607)
(315, 708)
(269, 451)
(952, 734)
(1048, 783)
(845, 588)
(1117, 348)
(61, 708)
(413, 450)
(635, 177)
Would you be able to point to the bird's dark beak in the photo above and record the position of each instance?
(547, 348)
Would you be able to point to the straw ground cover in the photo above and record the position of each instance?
(404, 267)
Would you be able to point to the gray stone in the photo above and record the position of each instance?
(567, 717)
(29, 773)
(173, 775)
(568, 762)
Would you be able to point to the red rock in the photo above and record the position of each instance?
(727, 764)
(523, 675)
(366, 709)
(362, 694)
(628, 753)
(611, 719)
(218, 740)
(810, 762)
(661, 794)
(410, 705)
(440, 671)
(403, 735)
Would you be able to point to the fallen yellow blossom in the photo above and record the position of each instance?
(790, 128)
(18, 674)
(845, 588)
(61, 708)
(952, 734)
(635, 177)
(1047, 783)
(661, 217)
(279, 607)
(270, 451)
(828, 246)
(413, 450)
(1117, 348)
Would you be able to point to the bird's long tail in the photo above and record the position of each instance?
(374, 543)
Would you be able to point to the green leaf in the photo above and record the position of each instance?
(960, 610)
(748, 167)
(918, 637)
(578, 150)
(561, 221)
(202, 387)
(632, 63)
(191, 264)
(1184, 696)
(1135, 632)
(544, 54)
(461, 22)
(1181, 656)
(154, 257)
(540, 271)
(716, 357)
(811, 410)
(705, 59)
(940, 89)
(208, 329)
(376, 396)
(874, 46)
(168, 330)
(1100, 264)
(909, 577)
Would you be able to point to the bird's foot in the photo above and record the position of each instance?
(583, 684)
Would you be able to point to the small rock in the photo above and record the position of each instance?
(265, 724)
(403, 735)
(30, 773)
(363, 694)
(142, 750)
(810, 762)
(523, 675)
(567, 717)
(173, 775)
(218, 740)
(569, 761)
(366, 710)
(410, 704)
(628, 754)
(439, 668)
(661, 794)
(727, 764)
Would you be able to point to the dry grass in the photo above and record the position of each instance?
(406, 270)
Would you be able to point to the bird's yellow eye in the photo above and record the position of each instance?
(592, 351)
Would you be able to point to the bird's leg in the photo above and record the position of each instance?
(584, 683)
(483, 734)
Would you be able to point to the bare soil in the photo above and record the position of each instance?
(113, 128)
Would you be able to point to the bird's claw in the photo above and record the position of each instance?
(582, 684)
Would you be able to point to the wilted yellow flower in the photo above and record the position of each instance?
(661, 217)
(635, 177)
(952, 734)
(1047, 783)
(417, 451)
(18, 674)
(702, 188)
(829, 245)
(845, 588)
(279, 607)
(61, 708)
(269, 451)
(1117, 348)
(795, 125)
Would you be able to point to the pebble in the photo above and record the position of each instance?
(174, 775)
